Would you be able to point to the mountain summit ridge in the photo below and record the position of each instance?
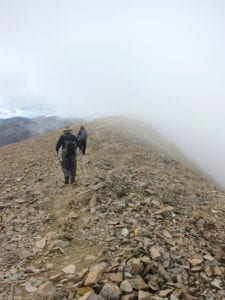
(137, 224)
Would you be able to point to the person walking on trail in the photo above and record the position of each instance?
(82, 139)
(69, 144)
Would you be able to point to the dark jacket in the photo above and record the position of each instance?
(65, 137)
(82, 135)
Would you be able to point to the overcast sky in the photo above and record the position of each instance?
(163, 61)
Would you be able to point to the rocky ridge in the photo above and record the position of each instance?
(137, 225)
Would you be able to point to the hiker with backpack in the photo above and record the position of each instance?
(82, 139)
(69, 144)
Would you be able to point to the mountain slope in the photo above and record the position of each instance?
(152, 228)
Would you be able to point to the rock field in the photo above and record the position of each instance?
(136, 225)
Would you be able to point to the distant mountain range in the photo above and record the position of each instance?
(17, 129)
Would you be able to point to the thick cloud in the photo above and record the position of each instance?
(162, 61)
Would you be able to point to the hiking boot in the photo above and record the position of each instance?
(66, 179)
(72, 181)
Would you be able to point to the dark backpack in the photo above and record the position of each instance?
(70, 147)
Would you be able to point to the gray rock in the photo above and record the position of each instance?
(46, 290)
(110, 291)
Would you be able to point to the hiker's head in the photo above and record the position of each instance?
(67, 129)
(82, 128)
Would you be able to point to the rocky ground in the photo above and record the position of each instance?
(137, 224)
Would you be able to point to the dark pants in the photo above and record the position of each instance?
(82, 146)
(69, 167)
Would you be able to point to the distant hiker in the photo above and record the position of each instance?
(82, 139)
(69, 144)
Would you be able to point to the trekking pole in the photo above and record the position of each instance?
(81, 163)
(59, 160)
(57, 174)
(82, 167)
